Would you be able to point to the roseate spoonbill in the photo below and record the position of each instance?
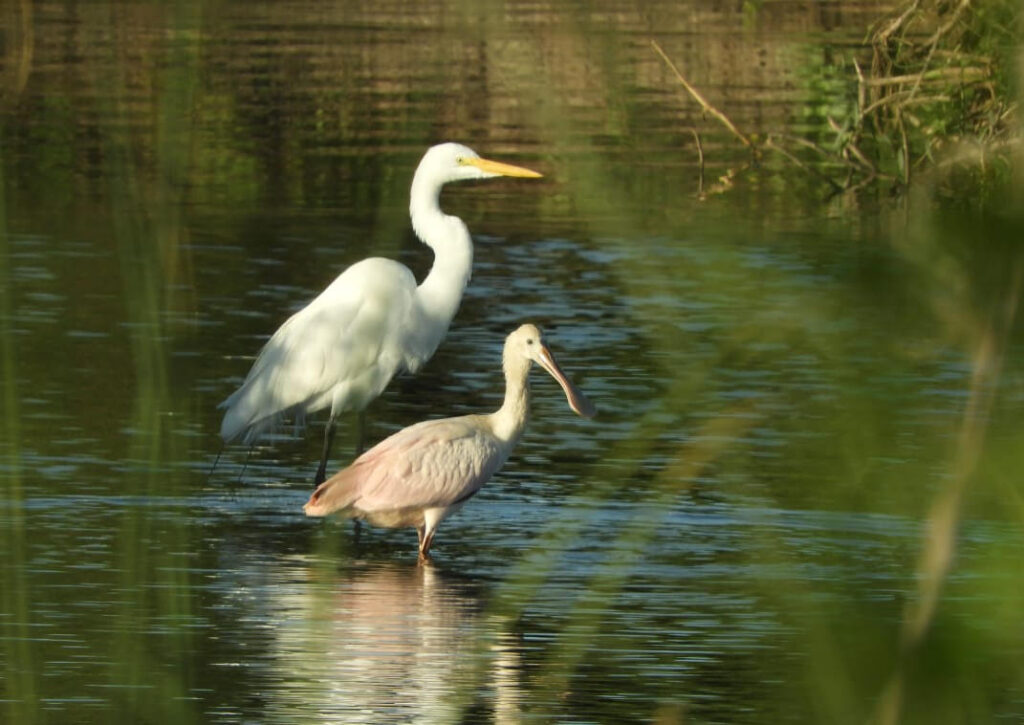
(342, 349)
(426, 472)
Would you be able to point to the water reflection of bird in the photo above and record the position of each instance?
(379, 643)
(422, 474)
(342, 349)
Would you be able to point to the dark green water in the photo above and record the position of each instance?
(795, 388)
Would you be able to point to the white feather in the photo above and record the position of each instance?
(372, 322)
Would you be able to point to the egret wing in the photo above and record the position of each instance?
(339, 350)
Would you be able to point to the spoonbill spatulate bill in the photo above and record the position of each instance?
(342, 349)
(424, 473)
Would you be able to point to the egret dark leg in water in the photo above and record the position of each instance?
(361, 434)
(215, 462)
(360, 445)
(245, 464)
(321, 471)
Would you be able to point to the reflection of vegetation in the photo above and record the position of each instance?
(17, 47)
(21, 690)
(152, 683)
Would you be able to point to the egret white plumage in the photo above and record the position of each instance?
(422, 474)
(342, 349)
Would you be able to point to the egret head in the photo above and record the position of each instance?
(455, 162)
(527, 344)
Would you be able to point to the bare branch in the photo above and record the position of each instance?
(708, 108)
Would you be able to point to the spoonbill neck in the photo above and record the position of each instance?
(509, 421)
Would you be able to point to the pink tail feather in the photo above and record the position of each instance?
(335, 494)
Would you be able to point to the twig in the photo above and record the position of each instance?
(906, 149)
(948, 25)
(861, 88)
(903, 99)
(708, 108)
(700, 158)
(770, 144)
(937, 74)
(898, 22)
(933, 42)
(805, 143)
(859, 155)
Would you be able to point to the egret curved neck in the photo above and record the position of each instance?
(441, 291)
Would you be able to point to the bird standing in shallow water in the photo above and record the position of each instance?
(342, 349)
(422, 474)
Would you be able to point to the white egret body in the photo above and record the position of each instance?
(373, 321)
(424, 473)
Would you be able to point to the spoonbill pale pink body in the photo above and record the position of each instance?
(422, 474)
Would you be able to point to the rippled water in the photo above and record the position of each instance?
(789, 384)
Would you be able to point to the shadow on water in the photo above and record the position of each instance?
(799, 502)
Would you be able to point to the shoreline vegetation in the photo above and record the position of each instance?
(933, 97)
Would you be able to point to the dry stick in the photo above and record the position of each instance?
(852, 147)
(948, 25)
(852, 168)
(906, 148)
(864, 160)
(861, 90)
(880, 42)
(965, 74)
(881, 60)
(708, 108)
(903, 99)
(770, 144)
(934, 42)
(1008, 112)
(897, 22)
(805, 143)
(700, 158)
(818, 149)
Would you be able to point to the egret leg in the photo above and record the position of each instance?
(215, 462)
(321, 472)
(245, 465)
(360, 444)
(361, 433)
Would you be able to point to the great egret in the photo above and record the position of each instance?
(424, 473)
(342, 349)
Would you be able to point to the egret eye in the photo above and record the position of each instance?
(529, 341)
(460, 160)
